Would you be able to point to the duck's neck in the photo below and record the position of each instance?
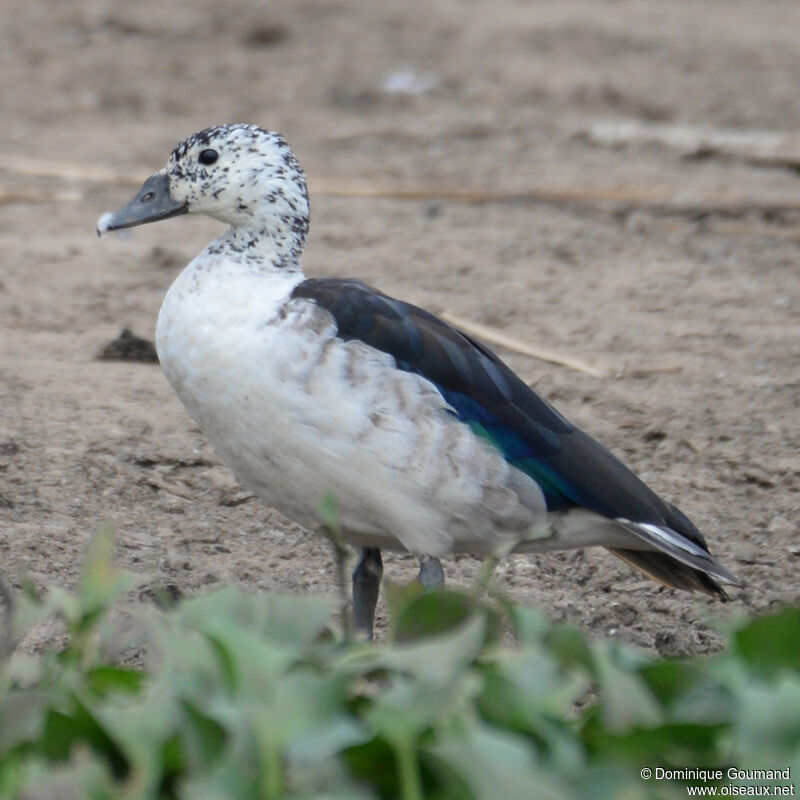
(268, 249)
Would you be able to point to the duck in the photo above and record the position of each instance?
(326, 387)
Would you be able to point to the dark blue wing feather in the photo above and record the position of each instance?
(571, 467)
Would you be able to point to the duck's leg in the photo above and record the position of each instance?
(366, 587)
(431, 574)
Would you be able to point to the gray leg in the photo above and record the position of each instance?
(431, 574)
(366, 587)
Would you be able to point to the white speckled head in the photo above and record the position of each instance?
(244, 176)
(239, 174)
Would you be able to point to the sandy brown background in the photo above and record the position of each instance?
(691, 300)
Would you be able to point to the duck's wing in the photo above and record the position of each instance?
(572, 469)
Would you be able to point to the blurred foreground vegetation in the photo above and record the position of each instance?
(259, 696)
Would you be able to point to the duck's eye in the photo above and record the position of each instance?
(208, 157)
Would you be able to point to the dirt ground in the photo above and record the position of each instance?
(446, 162)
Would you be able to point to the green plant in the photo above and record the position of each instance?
(257, 696)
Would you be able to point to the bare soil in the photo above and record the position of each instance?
(442, 142)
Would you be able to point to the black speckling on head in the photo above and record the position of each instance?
(225, 133)
(257, 180)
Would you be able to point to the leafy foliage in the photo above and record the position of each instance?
(243, 696)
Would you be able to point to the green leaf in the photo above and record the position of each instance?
(541, 682)
(373, 764)
(101, 582)
(144, 728)
(437, 660)
(328, 512)
(110, 678)
(255, 665)
(307, 713)
(79, 725)
(399, 595)
(530, 624)
(285, 619)
(203, 738)
(569, 647)
(83, 777)
(431, 614)
(671, 746)
(626, 700)
(21, 671)
(770, 644)
(506, 706)
(23, 715)
(230, 780)
(689, 692)
(61, 603)
(325, 740)
(613, 782)
(186, 663)
(406, 708)
(496, 764)
(768, 719)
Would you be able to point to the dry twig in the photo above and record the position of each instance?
(166, 486)
(71, 171)
(652, 197)
(495, 336)
(761, 147)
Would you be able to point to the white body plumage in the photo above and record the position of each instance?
(297, 412)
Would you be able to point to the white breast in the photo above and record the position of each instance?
(297, 413)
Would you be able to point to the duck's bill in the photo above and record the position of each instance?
(152, 203)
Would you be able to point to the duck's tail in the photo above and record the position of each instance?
(675, 559)
(667, 570)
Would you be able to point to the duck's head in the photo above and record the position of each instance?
(239, 174)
